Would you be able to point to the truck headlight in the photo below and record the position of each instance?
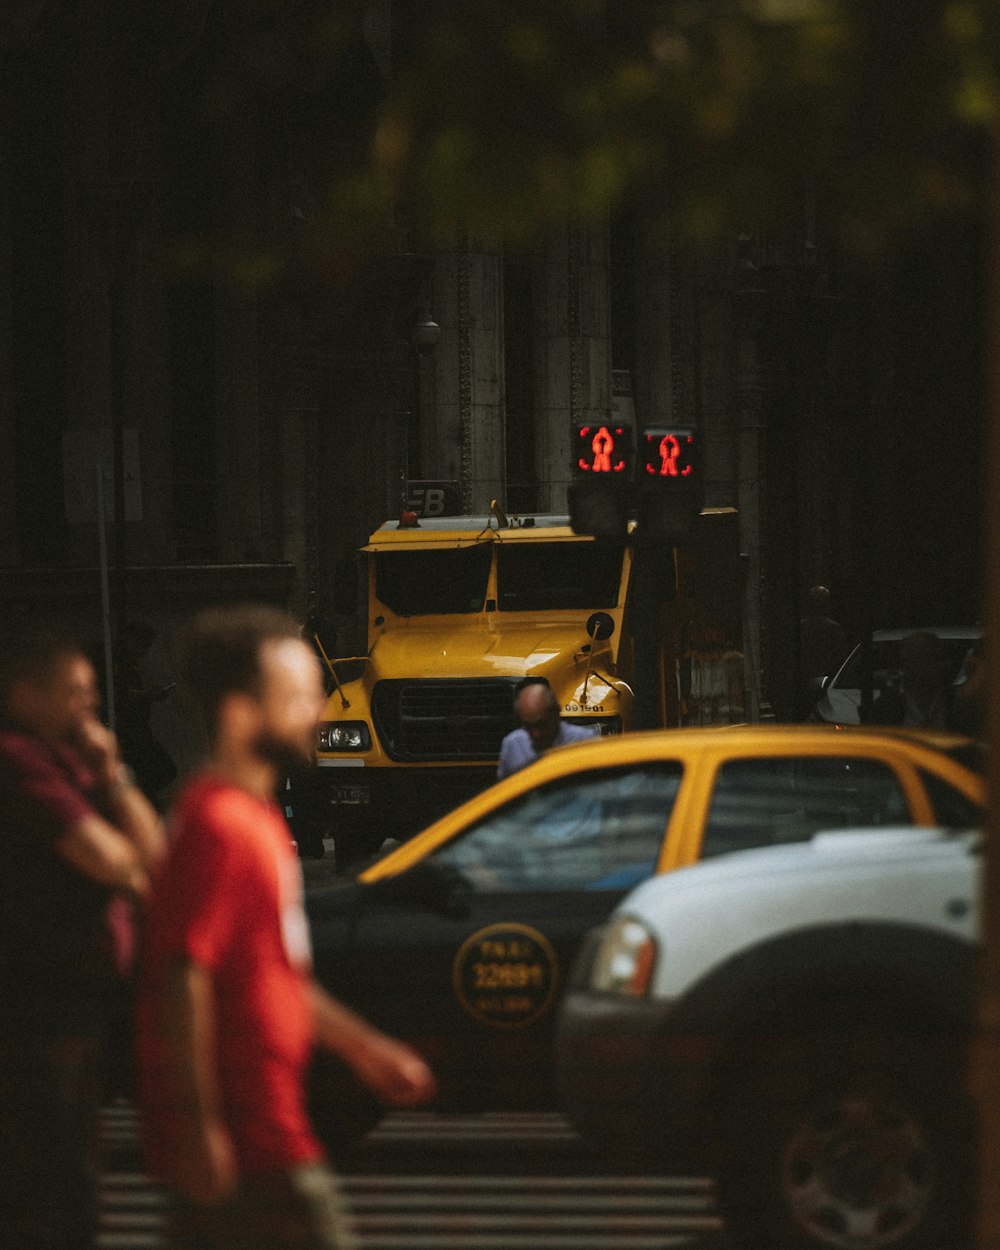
(625, 959)
(344, 735)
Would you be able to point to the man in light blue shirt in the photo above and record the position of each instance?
(541, 728)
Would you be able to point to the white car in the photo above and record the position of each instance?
(795, 1019)
(840, 699)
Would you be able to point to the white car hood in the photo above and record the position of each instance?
(702, 914)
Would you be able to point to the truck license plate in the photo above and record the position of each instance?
(352, 796)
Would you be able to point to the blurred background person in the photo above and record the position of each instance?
(79, 841)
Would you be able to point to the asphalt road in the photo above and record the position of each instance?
(429, 1182)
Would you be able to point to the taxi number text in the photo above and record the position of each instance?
(519, 976)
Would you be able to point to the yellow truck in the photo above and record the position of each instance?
(459, 610)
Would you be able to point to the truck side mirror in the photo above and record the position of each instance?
(600, 626)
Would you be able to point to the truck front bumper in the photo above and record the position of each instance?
(360, 806)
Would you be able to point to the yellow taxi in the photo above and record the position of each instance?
(460, 939)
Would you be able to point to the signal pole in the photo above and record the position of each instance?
(663, 487)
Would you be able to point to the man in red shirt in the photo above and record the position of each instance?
(77, 836)
(229, 1011)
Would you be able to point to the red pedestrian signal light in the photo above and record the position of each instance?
(603, 449)
(669, 453)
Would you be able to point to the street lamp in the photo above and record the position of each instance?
(426, 334)
(424, 337)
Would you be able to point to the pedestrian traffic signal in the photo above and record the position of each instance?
(662, 481)
(603, 471)
(669, 454)
(670, 480)
(604, 449)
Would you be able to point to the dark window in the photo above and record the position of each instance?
(762, 802)
(887, 671)
(519, 383)
(951, 808)
(971, 755)
(422, 583)
(569, 575)
(599, 831)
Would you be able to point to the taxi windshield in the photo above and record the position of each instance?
(565, 575)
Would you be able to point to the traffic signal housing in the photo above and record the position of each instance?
(600, 494)
(670, 480)
(661, 481)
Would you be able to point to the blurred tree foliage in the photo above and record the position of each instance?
(503, 117)
(701, 114)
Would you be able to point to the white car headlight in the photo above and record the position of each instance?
(625, 959)
(344, 735)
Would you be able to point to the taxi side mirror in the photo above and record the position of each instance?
(427, 886)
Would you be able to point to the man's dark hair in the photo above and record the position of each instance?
(219, 654)
(31, 651)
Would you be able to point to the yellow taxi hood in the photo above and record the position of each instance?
(452, 651)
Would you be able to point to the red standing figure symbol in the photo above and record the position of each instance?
(603, 446)
(670, 457)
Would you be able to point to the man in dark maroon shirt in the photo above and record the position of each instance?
(77, 839)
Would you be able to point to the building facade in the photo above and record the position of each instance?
(245, 421)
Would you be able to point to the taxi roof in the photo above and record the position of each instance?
(697, 742)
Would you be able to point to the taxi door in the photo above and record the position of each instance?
(466, 953)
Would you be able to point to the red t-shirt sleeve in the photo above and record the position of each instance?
(207, 887)
(40, 795)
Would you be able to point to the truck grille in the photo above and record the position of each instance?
(452, 719)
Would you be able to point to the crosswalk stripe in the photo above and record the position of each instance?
(597, 1208)
(465, 1239)
(488, 1127)
(444, 1211)
(444, 1222)
(131, 1240)
(695, 1183)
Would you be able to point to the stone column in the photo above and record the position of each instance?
(653, 385)
(243, 475)
(117, 366)
(8, 516)
(751, 307)
(462, 423)
(573, 378)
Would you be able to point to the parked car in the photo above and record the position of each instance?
(461, 938)
(839, 700)
(795, 1019)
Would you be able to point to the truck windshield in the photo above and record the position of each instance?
(574, 575)
(424, 583)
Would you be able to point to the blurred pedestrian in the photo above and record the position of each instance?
(229, 1010)
(822, 648)
(537, 709)
(75, 831)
